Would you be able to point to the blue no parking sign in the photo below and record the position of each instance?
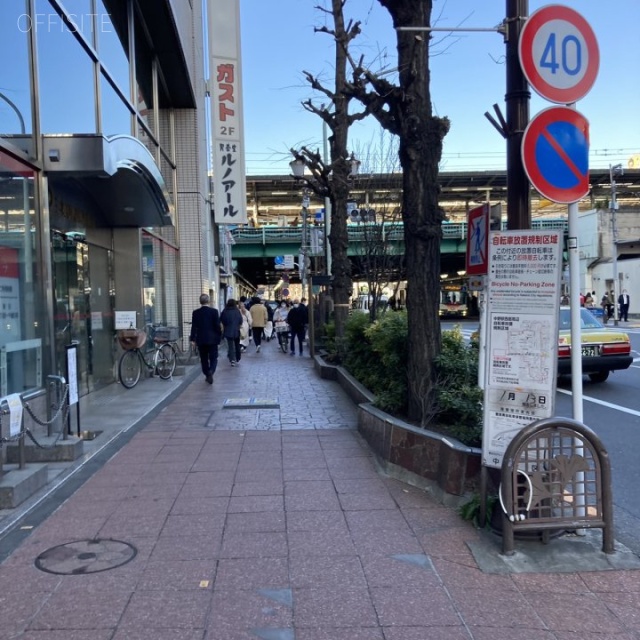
(555, 153)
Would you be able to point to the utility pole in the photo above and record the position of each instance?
(517, 107)
(614, 171)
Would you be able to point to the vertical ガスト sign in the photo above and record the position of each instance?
(522, 335)
(227, 128)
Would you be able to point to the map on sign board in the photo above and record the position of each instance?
(523, 289)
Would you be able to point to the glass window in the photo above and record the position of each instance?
(21, 343)
(116, 117)
(144, 78)
(113, 43)
(67, 100)
(15, 96)
(81, 14)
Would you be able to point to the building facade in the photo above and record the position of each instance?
(104, 193)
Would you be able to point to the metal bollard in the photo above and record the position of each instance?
(55, 386)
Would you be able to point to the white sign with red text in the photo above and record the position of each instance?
(522, 335)
(227, 128)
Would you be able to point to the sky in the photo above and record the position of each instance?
(467, 78)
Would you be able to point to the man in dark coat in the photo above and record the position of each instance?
(205, 332)
(297, 320)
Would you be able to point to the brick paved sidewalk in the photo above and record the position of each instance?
(274, 524)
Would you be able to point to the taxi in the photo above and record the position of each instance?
(603, 350)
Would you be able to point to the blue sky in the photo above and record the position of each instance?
(468, 77)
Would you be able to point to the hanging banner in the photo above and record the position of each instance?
(227, 129)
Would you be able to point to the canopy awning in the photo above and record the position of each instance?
(117, 173)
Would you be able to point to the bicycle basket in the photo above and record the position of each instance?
(165, 334)
(131, 339)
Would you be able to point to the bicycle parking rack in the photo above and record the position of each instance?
(556, 475)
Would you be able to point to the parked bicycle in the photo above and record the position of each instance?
(161, 360)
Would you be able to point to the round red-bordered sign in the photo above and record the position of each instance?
(559, 54)
(555, 154)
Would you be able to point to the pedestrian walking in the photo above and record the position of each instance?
(607, 307)
(206, 334)
(245, 328)
(259, 319)
(623, 301)
(231, 320)
(297, 319)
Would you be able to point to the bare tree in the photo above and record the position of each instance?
(379, 258)
(332, 180)
(405, 110)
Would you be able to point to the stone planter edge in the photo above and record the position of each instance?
(441, 465)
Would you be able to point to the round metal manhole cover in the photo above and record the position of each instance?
(86, 556)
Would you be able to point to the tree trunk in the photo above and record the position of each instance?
(338, 237)
(421, 138)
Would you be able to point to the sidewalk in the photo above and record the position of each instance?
(246, 523)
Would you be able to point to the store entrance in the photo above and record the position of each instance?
(83, 288)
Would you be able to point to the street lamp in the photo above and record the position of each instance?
(297, 168)
(614, 170)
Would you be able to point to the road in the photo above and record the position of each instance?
(612, 410)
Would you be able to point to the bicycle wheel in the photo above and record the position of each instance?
(283, 338)
(165, 361)
(130, 368)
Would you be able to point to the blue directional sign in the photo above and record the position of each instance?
(555, 153)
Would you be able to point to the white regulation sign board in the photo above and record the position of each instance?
(523, 294)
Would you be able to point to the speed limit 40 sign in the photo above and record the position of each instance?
(559, 54)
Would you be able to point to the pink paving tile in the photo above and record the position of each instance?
(186, 504)
(367, 501)
(66, 634)
(321, 543)
(333, 607)
(387, 543)
(485, 608)
(338, 633)
(432, 517)
(411, 606)
(25, 578)
(575, 612)
(73, 609)
(177, 575)
(258, 489)
(254, 545)
(550, 583)
(234, 612)
(126, 525)
(168, 609)
(194, 548)
(154, 491)
(586, 635)
(253, 504)
(251, 573)
(311, 501)
(430, 633)
(316, 521)
(256, 522)
(135, 633)
(413, 570)
(460, 575)
(376, 521)
(24, 608)
(191, 524)
(144, 506)
(298, 475)
(493, 633)
(625, 606)
(327, 571)
(612, 580)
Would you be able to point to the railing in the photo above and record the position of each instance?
(357, 232)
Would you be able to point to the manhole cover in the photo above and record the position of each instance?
(86, 556)
(251, 403)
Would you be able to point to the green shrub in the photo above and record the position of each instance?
(376, 355)
(458, 409)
